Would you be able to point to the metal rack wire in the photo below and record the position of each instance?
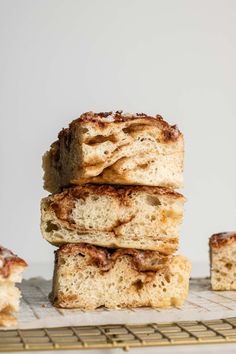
(119, 336)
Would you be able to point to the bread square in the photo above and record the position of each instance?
(88, 277)
(115, 148)
(223, 261)
(114, 216)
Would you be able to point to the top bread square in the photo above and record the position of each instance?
(115, 148)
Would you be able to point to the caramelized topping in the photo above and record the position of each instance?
(170, 133)
(142, 261)
(222, 239)
(7, 260)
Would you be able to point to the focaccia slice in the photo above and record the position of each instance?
(88, 277)
(114, 216)
(115, 148)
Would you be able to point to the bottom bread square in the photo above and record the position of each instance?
(88, 277)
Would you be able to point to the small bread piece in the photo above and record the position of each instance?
(223, 261)
(114, 216)
(11, 268)
(88, 277)
(115, 148)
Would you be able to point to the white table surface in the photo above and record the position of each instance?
(199, 270)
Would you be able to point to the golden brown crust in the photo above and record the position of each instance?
(142, 261)
(222, 239)
(8, 261)
(119, 191)
(103, 119)
(170, 132)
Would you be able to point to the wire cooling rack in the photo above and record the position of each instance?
(119, 336)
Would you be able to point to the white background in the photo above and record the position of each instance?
(61, 58)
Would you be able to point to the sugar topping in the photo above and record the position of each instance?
(5, 254)
(112, 116)
(222, 239)
(8, 261)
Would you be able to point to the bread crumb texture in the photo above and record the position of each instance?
(114, 216)
(88, 277)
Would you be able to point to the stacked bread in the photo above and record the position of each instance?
(11, 268)
(114, 212)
